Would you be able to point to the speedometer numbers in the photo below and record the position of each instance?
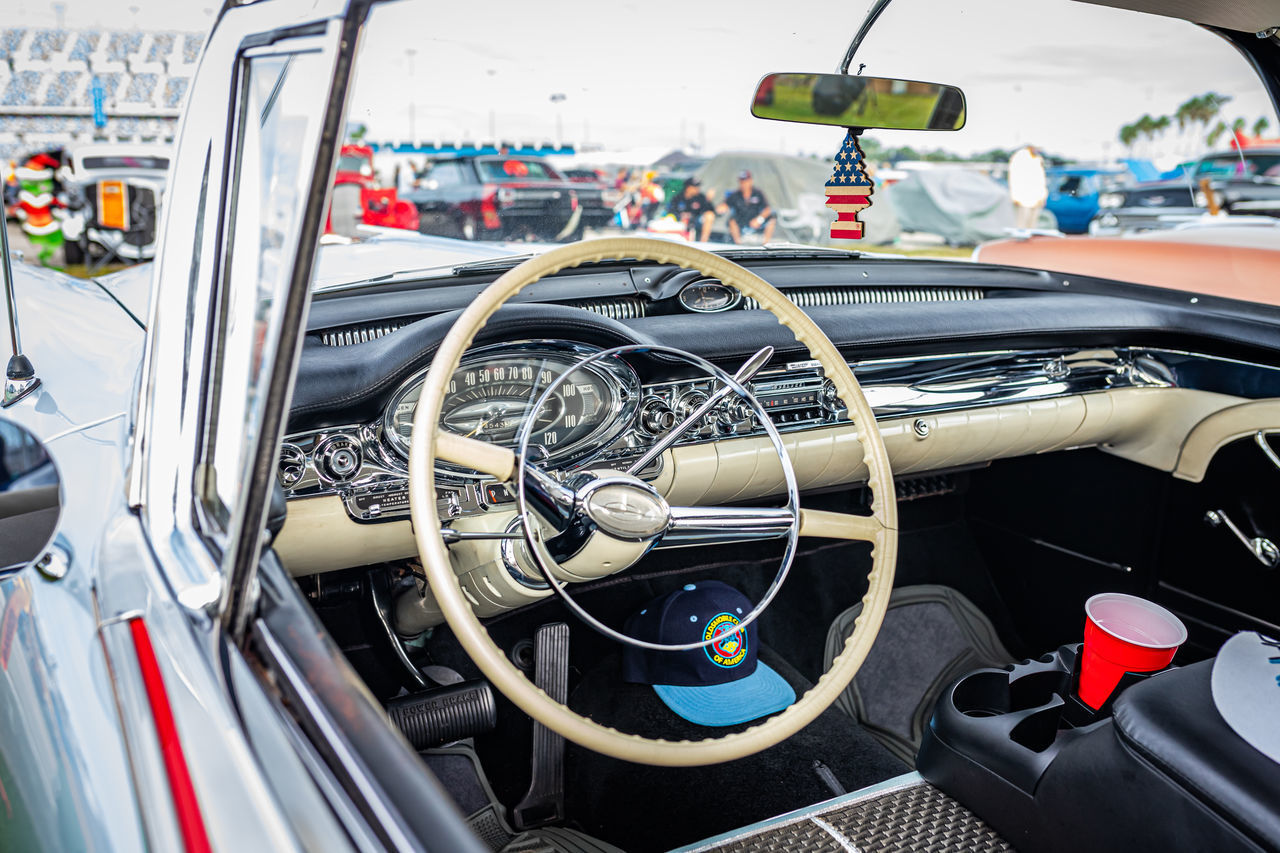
(494, 391)
(491, 401)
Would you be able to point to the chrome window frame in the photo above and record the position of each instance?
(168, 441)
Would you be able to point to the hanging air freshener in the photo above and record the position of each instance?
(849, 190)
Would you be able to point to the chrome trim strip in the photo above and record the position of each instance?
(895, 387)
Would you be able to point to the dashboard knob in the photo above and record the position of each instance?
(656, 416)
(688, 402)
(292, 465)
(338, 458)
(733, 414)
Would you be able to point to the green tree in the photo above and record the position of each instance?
(1218, 129)
(1128, 136)
(1260, 126)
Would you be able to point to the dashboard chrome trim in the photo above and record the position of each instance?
(895, 387)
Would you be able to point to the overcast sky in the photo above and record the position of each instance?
(1059, 73)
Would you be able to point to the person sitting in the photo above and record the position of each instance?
(694, 210)
(748, 210)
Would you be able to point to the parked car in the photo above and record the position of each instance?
(129, 230)
(1073, 195)
(1227, 256)
(1244, 182)
(506, 197)
(358, 198)
(776, 548)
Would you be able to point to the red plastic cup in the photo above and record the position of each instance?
(1124, 633)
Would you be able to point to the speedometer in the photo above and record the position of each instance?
(495, 389)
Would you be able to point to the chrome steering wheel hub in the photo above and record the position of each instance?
(625, 508)
(598, 523)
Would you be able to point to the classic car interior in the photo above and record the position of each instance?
(1081, 452)
(953, 456)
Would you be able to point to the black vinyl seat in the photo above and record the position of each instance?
(1172, 723)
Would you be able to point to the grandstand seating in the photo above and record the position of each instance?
(47, 84)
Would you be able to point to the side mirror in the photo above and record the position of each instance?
(863, 102)
(30, 497)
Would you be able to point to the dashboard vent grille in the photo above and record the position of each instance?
(357, 334)
(615, 308)
(813, 297)
(618, 308)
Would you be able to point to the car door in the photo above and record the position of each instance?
(254, 163)
(228, 313)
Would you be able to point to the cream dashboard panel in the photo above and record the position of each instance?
(1145, 425)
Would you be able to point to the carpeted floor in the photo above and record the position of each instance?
(642, 808)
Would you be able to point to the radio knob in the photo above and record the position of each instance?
(732, 415)
(656, 417)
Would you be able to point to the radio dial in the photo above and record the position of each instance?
(338, 458)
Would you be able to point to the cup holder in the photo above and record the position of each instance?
(982, 694)
(1038, 688)
(1011, 721)
(1038, 731)
(993, 693)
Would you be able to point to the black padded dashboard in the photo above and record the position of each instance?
(1020, 309)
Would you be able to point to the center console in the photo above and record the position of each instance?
(1155, 768)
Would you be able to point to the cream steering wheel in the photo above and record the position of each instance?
(428, 443)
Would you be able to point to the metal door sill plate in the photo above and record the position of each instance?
(905, 813)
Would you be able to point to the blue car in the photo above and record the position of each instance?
(1073, 196)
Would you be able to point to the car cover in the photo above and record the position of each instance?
(962, 206)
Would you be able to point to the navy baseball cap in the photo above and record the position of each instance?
(721, 684)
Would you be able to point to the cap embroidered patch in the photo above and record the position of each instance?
(731, 649)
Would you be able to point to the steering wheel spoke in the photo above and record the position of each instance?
(706, 525)
(497, 462)
(841, 525)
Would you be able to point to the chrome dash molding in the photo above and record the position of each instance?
(798, 397)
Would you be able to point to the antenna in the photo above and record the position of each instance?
(19, 377)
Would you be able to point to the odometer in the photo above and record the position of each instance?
(494, 389)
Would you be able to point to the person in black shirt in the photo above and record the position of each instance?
(748, 209)
(694, 209)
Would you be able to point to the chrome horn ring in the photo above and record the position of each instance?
(532, 533)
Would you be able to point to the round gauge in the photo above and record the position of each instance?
(708, 296)
(494, 391)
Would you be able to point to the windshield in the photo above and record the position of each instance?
(513, 169)
(121, 161)
(465, 129)
(347, 163)
(1233, 165)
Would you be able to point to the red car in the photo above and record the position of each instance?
(377, 205)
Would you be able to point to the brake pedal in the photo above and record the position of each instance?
(544, 801)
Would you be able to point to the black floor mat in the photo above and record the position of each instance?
(641, 808)
(930, 636)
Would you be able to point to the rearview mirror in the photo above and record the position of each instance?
(863, 102)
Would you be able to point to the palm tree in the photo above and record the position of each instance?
(1218, 129)
(1160, 126)
(1207, 108)
(1260, 126)
(1128, 136)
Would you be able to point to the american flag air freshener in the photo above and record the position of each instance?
(849, 190)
